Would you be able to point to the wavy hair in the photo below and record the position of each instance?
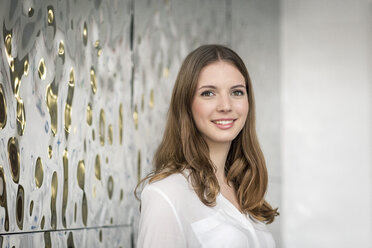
(183, 147)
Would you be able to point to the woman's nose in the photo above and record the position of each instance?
(224, 103)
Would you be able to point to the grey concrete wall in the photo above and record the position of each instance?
(326, 61)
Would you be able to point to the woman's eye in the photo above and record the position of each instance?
(238, 93)
(207, 93)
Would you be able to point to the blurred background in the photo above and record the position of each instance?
(90, 81)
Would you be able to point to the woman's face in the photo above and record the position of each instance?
(220, 104)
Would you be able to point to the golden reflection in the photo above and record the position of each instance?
(102, 127)
(81, 174)
(93, 81)
(53, 201)
(42, 223)
(42, 69)
(165, 72)
(47, 240)
(50, 152)
(68, 106)
(70, 241)
(39, 173)
(89, 114)
(50, 16)
(3, 198)
(31, 207)
(20, 202)
(110, 186)
(65, 186)
(51, 101)
(25, 67)
(151, 102)
(121, 194)
(98, 167)
(110, 134)
(13, 155)
(21, 116)
(30, 12)
(61, 48)
(8, 46)
(3, 110)
(84, 209)
(85, 34)
(135, 116)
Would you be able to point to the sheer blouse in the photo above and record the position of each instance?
(173, 216)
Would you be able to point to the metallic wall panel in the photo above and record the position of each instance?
(84, 92)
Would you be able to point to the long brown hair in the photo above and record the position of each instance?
(245, 165)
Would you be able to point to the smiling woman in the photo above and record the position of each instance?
(210, 177)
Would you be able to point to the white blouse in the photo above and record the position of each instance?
(173, 216)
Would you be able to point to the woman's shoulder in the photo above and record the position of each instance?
(176, 181)
(172, 187)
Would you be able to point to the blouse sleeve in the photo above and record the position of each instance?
(159, 226)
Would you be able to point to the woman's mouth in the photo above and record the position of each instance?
(224, 123)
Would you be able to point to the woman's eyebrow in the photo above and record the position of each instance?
(214, 87)
(208, 86)
(238, 86)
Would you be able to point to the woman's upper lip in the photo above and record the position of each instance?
(224, 119)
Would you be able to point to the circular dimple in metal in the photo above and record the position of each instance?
(30, 12)
(50, 152)
(102, 127)
(121, 123)
(8, 45)
(51, 101)
(53, 201)
(47, 240)
(2, 187)
(20, 206)
(42, 223)
(98, 167)
(84, 209)
(3, 198)
(26, 67)
(39, 173)
(75, 212)
(50, 16)
(81, 174)
(61, 48)
(85, 34)
(13, 155)
(89, 114)
(42, 69)
(31, 207)
(110, 134)
(65, 186)
(70, 241)
(93, 81)
(21, 116)
(3, 112)
(110, 187)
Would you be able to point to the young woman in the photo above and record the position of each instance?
(210, 177)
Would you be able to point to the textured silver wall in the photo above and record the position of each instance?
(85, 87)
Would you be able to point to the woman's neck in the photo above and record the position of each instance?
(218, 154)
